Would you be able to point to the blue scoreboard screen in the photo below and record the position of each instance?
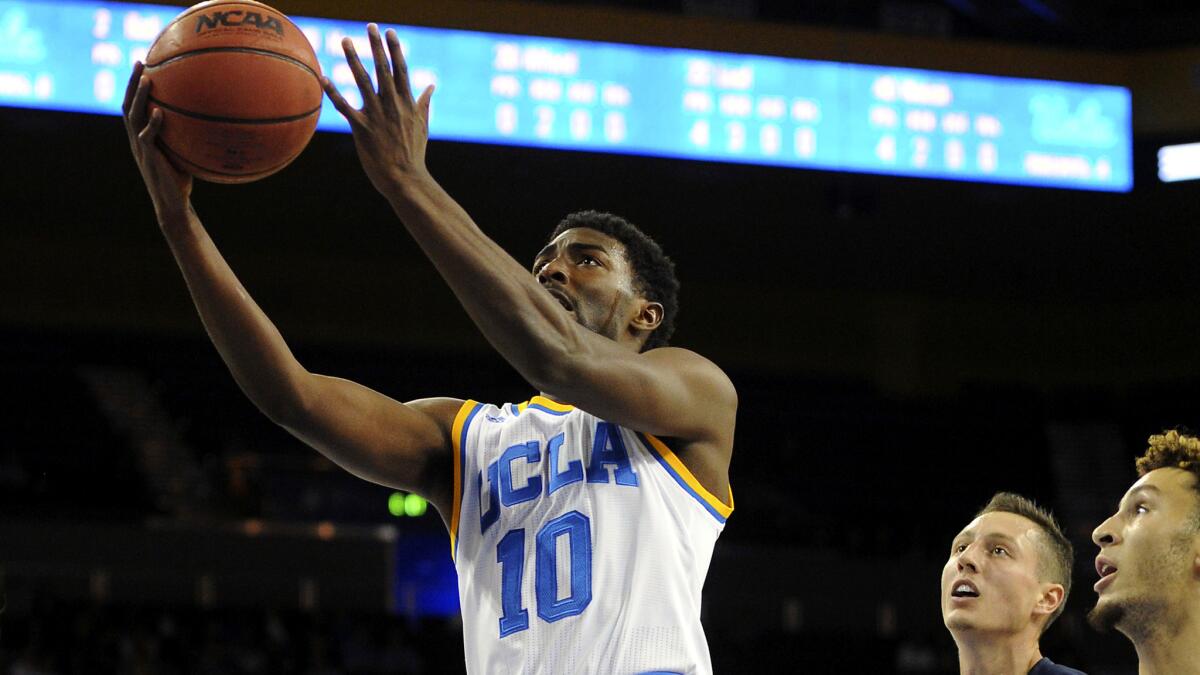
(594, 96)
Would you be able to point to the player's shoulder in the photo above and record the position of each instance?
(1048, 667)
(681, 354)
(698, 368)
(438, 404)
(442, 409)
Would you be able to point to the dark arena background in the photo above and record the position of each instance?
(903, 347)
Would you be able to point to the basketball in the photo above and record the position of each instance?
(239, 89)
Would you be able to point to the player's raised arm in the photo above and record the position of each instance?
(670, 392)
(365, 432)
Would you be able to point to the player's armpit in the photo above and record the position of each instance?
(401, 445)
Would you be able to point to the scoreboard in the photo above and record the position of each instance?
(605, 97)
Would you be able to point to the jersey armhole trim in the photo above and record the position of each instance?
(545, 405)
(676, 469)
(458, 439)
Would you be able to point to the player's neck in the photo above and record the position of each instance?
(1174, 650)
(992, 655)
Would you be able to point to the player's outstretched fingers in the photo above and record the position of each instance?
(399, 67)
(387, 86)
(423, 104)
(340, 103)
(365, 87)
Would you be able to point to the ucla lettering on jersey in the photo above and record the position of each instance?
(581, 546)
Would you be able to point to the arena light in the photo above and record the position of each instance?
(1179, 162)
(415, 505)
(396, 504)
(401, 505)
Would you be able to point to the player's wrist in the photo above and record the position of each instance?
(174, 218)
(408, 184)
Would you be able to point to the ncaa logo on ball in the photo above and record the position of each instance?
(238, 19)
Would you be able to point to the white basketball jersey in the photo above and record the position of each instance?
(581, 546)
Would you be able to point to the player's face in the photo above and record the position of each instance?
(1149, 550)
(587, 271)
(990, 583)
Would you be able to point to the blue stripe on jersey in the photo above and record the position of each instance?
(679, 479)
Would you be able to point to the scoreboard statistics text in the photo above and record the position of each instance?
(593, 96)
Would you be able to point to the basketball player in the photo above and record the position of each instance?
(1006, 581)
(1149, 562)
(582, 521)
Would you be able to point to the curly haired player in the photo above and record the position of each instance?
(1149, 562)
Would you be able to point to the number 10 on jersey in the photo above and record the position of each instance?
(510, 554)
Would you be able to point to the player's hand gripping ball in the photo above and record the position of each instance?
(239, 87)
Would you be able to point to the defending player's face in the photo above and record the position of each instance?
(587, 271)
(990, 583)
(1149, 551)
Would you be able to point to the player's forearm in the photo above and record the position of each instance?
(247, 341)
(523, 322)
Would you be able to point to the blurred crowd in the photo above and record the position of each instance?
(57, 638)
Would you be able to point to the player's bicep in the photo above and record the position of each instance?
(375, 437)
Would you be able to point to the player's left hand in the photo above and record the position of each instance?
(392, 129)
(170, 189)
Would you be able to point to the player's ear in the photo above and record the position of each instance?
(649, 316)
(1052, 596)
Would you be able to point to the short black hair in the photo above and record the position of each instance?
(653, 272)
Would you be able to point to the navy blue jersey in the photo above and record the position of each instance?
(1048, 667)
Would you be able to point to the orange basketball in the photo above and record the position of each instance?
(239, 87)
